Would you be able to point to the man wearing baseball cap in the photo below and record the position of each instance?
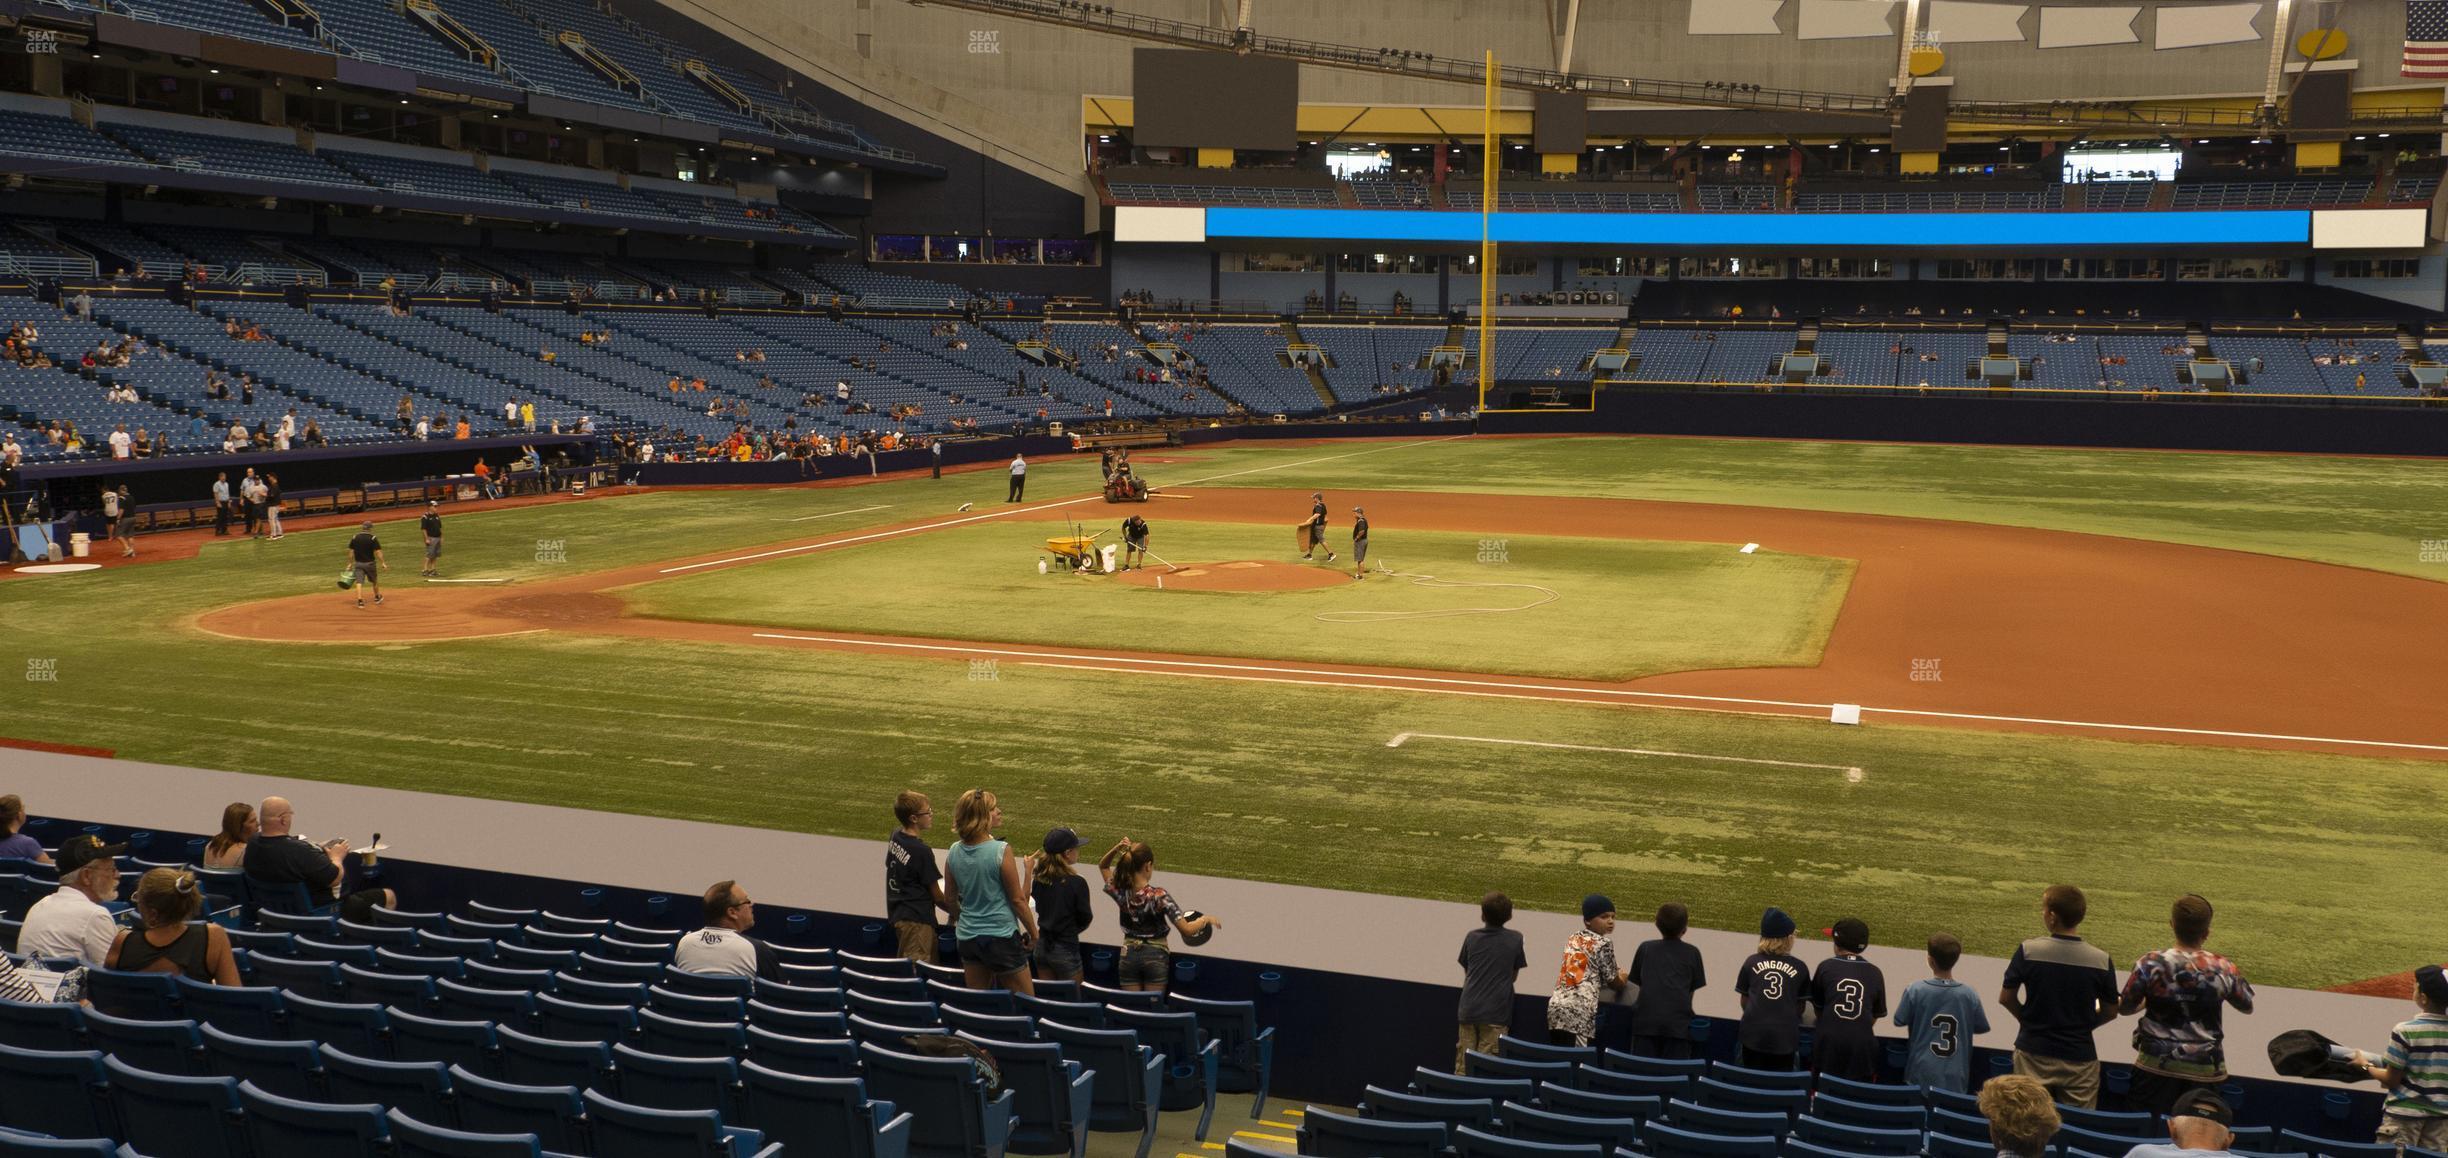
(2415, 1070)
(72, 921)
(366, 561)
(431, 525)
(2200, 1123)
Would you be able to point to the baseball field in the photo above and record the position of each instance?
(2147, 673)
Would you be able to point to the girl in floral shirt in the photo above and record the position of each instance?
(1589, 962)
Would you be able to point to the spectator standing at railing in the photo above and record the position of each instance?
(2181, 993)
(221, 505)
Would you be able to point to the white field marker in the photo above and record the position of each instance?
(1852, 773)
(430, 579)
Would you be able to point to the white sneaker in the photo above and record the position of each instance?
(1330, 556)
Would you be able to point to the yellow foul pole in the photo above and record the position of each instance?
(1488, 160)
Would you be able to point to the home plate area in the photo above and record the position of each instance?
(1237, 575)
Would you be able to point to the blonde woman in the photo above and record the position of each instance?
(228, 847)
(996, 927)
(165, 899)
(1129, 868)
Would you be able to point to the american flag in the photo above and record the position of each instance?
(2426, 41)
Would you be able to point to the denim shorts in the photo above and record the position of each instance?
(998, 955)
(1143, 963)
(1059, 958)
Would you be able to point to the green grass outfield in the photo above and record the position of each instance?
(1702, 605)
(2321, 865)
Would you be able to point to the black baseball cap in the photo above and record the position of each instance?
(83, 849)
(2432, 981)
(2203, 1104)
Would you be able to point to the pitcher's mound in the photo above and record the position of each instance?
(1239, 575)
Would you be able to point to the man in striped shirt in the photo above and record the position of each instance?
(2416, 1070)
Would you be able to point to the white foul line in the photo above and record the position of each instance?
(431, 579)
(1401, 737)
(1020, 511)
(838, 514)
(1392, 680)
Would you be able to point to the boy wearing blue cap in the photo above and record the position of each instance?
(1773, 985)
(1589, 962)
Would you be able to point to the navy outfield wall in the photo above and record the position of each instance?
(2171, 422)
(1336, 1032)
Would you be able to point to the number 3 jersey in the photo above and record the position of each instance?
(1777, 985)
(1942, 1015)
(1851, 995)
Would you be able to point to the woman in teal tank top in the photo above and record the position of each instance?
(996, 927)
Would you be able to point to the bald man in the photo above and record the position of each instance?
(278, 856)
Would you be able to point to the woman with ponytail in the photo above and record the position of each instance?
(1129, 868)
(165, 899)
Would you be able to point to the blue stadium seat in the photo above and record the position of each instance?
(429, 1039)
(2253, 1139)
(889, 1036)
(464, 948)
(502, 973)
(570, 986)
(1724, 1095)
(405, 919)
(292, 1069)
(314, 948)
(608, 969)
(514, 1008)
(1397, 1106)
(1666, 1141)
(1126, 1078)
(278, 1127)
(2120, 1124)
(514, 956)
(952, 1117)
(892, 1011)
(803, 1023)
(540, 1061)
(1475, 1143)
(1192, 1060)
(420, 964)
(367, 986)
(308, 978)
(1693, 1116)
(20, 1144)
(1148, 999)
(2293, 1140)
(808, 1115)
(421, 1088)
(1050, 1096)
(805, 1056)
(564, 923)
(1950, 1146)
(668, 1082)
(695, 1006)
(1527, 1050)
(1871, 1093)
(1331, 1135)
(621, 1130)
(887, 988)
(995, 1001)
(685, 1037)
(876, 966)
(580, 1021)
(142, 996)
(55, 1092)
(1594, 1104)
(1083, 1014)
(380, 935)
(1760, 1079)
(1012, 1028)
(1958, 1125)
(273, 902)
(361, 1028)
(1665, 1087)
(1531, 1124)
(1436, 1083)
(459, 926)
(1487, 1065)
(1953, 1101)
(640, 952)
(164, 1114)
(810, 976)
(164, 1047)
(1246, 1050)
(1857, 1139)
(553, 1114)
(708, 984)
(803, 997)
(39, 1025)
(414, 1139)
(297, 924)
(1898, 1116)
(2073, 1137)
(480, 911)
(1797, 1148)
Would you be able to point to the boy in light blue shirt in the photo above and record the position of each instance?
(1942, 1015)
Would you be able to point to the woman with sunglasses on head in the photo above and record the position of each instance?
(996, 927)
(165, 899)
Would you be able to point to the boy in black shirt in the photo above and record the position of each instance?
(1667, 971)
(431, 525)
(1491, 959)
(1773, 984)
(913, 883)
(1851, 996)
